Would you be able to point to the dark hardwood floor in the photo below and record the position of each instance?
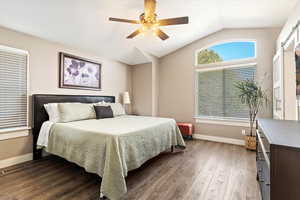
(205, 171)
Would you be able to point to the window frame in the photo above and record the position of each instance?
(27, 127)
(244, 122)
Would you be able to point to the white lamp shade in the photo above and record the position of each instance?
(126, 98)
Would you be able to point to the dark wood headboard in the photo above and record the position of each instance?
(40, 115)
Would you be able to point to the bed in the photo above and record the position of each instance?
(108, 147)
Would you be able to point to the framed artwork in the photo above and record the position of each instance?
(79, 73)
(297, 56)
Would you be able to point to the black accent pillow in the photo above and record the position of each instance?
(103, 112)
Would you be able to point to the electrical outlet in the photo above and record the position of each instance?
(243, 132)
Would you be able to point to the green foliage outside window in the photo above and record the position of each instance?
(208, 56)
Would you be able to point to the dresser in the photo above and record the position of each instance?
(278, 159)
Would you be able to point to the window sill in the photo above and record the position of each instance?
(222, 121)
(12, 133)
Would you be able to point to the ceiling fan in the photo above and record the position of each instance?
(149, 21)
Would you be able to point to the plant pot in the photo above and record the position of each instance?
(250, 142)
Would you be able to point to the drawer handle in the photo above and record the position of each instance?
(268, 184)
(259, 170)
(260, 159)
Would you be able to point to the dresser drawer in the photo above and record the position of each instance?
(265, 191)
(264, 140)
(263, 164)
(263, 174)
(263, 147)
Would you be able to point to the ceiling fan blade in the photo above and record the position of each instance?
(174, 21)
(150, 6)
(161, 34)
(135, 33)
(124, 20)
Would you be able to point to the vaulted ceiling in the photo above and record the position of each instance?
(84, 23)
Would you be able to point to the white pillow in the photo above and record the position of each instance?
(117, 108)
(53, 113)
(76, 111)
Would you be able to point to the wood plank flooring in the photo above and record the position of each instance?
(205, 171)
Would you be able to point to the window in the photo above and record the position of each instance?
(216, 94)
(13, 88)
(226, 52)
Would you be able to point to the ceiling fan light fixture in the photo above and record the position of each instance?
(154, 27)
(144, 28)
(150, 23)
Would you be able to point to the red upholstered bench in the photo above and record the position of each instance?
(186, 129)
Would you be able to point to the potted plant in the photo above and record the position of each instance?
(252, 95)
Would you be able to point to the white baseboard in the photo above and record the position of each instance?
(15, 160)
(219, 139)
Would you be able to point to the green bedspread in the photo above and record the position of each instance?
(112, 147)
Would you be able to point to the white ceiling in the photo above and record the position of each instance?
(84, 23)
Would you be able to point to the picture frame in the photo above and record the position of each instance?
(297, 58)
(79, 73)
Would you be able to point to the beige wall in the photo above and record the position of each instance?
(155, 85)
(142, 89)
(146, 99)
(176, 75)
(15, 147)
(43, 66)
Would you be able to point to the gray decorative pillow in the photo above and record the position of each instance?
(75, 111)
(117, 108)
(103, 112)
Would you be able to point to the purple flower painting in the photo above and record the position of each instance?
(79, 73)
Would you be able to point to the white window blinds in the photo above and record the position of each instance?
(13, 88)
(217, 95)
